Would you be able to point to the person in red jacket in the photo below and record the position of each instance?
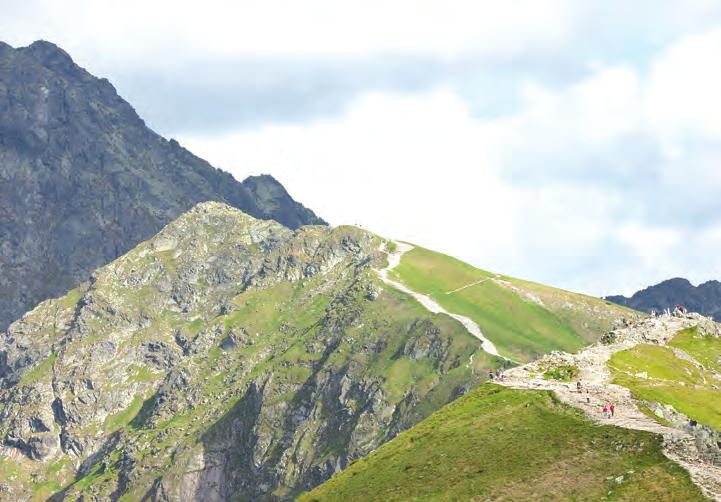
(613, 409)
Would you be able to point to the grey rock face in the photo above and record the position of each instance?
(708, 440)
(83, 179)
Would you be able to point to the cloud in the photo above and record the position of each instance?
(217, 65)
(220, 65)
(284, 27)
(397, 165)
(683, 97)
(219, 94)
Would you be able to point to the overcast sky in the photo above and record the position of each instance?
(572, 143)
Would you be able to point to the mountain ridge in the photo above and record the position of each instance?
(704, 298)
(83, 179)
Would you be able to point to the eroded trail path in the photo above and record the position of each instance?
(597, 391)
(480, 281)
(394, 259)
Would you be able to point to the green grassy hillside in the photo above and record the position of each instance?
(706, 349)
(501, 444)
(523, 319)
(658, 375)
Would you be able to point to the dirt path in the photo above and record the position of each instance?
(597, 391)
(394, 259)
(481, 281)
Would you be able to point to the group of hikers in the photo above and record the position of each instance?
(608, 410)
(678, 311)
(497, 375)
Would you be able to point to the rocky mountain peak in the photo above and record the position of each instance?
(676, 282)
(83, 179)
(50, 55)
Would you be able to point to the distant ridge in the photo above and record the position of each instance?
(83, 179)
(704, 298)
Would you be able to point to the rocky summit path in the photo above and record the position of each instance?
(597, 391)
(394, 259)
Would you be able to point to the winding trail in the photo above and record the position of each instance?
(394, 259)
(597, 391)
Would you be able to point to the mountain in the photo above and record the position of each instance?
(83, 179)
(233, 357)
(226, 355)
(704, 298)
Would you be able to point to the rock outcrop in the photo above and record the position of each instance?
(83, 179)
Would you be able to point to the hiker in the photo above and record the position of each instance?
(612, 408)
(588, 397)
(653, 313)
(491, 376)
(578, 386)
(625, 322)
(605, 411)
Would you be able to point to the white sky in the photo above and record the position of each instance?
(573, 143)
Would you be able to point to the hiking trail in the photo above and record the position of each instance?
(480, 281)
(597, 391)
(394, 259)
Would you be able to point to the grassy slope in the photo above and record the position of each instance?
(503, 444)
(523, 319)
(671, 380)
(706, 349)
